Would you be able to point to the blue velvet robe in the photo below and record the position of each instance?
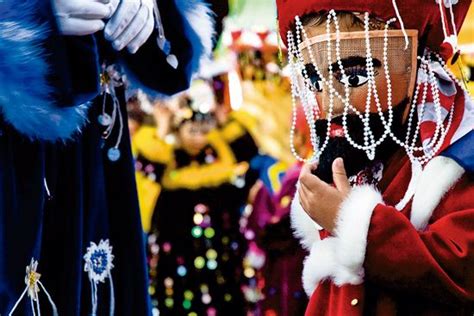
(91, 198)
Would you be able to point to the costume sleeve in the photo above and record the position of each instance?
(30, 57)
(377, 242)
(189, 27)
(225, 169)
(195, 177)
(153, 155)
(237, 132)
(434, 263)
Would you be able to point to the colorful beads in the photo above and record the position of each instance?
(168, 282)
(212, 264)
(166, 247)
(211, 254)
(199, 263)
(182, 271)
(211, 311)
(249, 272)
(200, 208)
(209, 232)
(188, 295)
(196, 232)
(206, 299)
(169, 302)
(198, 218)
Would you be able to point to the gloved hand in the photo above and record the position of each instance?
(82, 17)
(131, 25)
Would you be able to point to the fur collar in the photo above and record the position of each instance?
(437, 178)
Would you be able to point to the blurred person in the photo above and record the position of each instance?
(265, 89)
(196, 247)
(385, 205)
(270, 230)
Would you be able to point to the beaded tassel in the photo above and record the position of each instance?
(33, 285)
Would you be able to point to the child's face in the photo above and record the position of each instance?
(193, 136)
(402, 64)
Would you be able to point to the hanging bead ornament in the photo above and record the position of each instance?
(98, 265)
(450, 43)
(400, 20)
(104, 119)
(110, 80)
(302, 89)
(33, 285)
(161, 40)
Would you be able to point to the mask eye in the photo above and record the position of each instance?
(354, 80)
(315, 84)
(355, 76)
(314, 81)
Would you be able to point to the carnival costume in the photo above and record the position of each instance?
(403, 239)
(68, 204)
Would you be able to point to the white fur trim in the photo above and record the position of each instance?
(439, 175)
(351, 231)
(319, 265)
(341, 258)
(304, 228)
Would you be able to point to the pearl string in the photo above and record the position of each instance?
(302, 93)
(306, 92)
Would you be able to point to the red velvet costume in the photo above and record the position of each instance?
(381, 260)
(405, 271)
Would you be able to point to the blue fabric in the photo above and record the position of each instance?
(462, 152)
(45, 75)
(26, 97)
(144, 75)
(92, 199)
(263, 164)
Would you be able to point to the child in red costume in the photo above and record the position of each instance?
(386, 206)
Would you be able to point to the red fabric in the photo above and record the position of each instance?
(422, 15)
(409, 272)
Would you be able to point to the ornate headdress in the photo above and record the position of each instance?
(197, 104)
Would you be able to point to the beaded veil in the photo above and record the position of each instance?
(439, 110)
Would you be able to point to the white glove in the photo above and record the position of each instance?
(131, 25)
(82, 17)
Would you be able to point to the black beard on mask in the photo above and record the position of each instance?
(356, 160)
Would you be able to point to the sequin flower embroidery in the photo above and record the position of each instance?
(98, 260)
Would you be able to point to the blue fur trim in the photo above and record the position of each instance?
(199, 29)
(25, 96)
